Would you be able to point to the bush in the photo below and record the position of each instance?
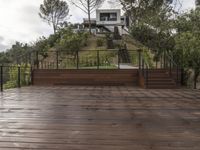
(84, 36)
(100, 42)
(71, 42)
(116, 34)
(12, 76)
(110, 44)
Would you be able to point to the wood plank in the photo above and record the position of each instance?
(100, 118)
(85, 77)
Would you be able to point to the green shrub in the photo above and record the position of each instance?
(85, 36)
(100, 42)
(109, 41)
(12, 77)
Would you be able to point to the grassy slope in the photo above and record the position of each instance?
(131, 43)
(88, 55)
(92, 44)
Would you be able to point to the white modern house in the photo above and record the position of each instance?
(107, 20)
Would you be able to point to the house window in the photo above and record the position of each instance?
(108, 16)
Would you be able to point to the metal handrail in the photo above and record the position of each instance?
(177, 68)
(36, 59)
(144, 70)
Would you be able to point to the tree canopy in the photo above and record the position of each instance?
(54, 12)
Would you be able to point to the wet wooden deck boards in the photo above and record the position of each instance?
(99, 118)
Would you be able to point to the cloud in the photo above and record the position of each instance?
(21, 21)
(2, 46)
(1, 39)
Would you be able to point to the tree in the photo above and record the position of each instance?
(188, 46)
(198, 3)
(42, 46)
(54, 12)
(188, 42)
(139, 10)
(88, 7)
(152, 24)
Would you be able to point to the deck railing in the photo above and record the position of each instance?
(20, 73)
(85, 59)
(12, 76)
(165, 61)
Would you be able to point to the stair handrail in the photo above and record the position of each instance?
(177, 68)
(144, 70)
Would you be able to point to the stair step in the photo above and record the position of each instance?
(160, 79)
(161, 83)
(164, 82)
(162, 87)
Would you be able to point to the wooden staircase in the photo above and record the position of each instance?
(161, 79)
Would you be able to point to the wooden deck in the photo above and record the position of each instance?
(99, 118)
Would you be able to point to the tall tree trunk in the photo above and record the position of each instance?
(54, 28)
(89, 17)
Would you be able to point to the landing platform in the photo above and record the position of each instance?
(99, 118)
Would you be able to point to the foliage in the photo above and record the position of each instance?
(84, 36)
(158, 42)
(148, 57)
(12, 76)
(197, 2)
(54, 12)
(100, 42)
(142, 10)
(41, 45)
(187, 50)
(106, 59)
(109, 41)
(4, 59)
(71, 42)
(153, 23)
(12, 55)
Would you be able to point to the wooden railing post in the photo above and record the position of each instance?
(170, 65)
(164, 61)
(139, 58)
(57, 60)
(118, 59)
(98, 59)
(19, 77)
(37, 59)
(142, 66)
(77, 59)
(31, 73)
(177, 75)
(147, 77)
(1, 78)
(182, 76)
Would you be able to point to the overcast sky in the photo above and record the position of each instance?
(20, 20)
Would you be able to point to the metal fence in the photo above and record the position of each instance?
(12, 76)
(20, 73)
(90, 59)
